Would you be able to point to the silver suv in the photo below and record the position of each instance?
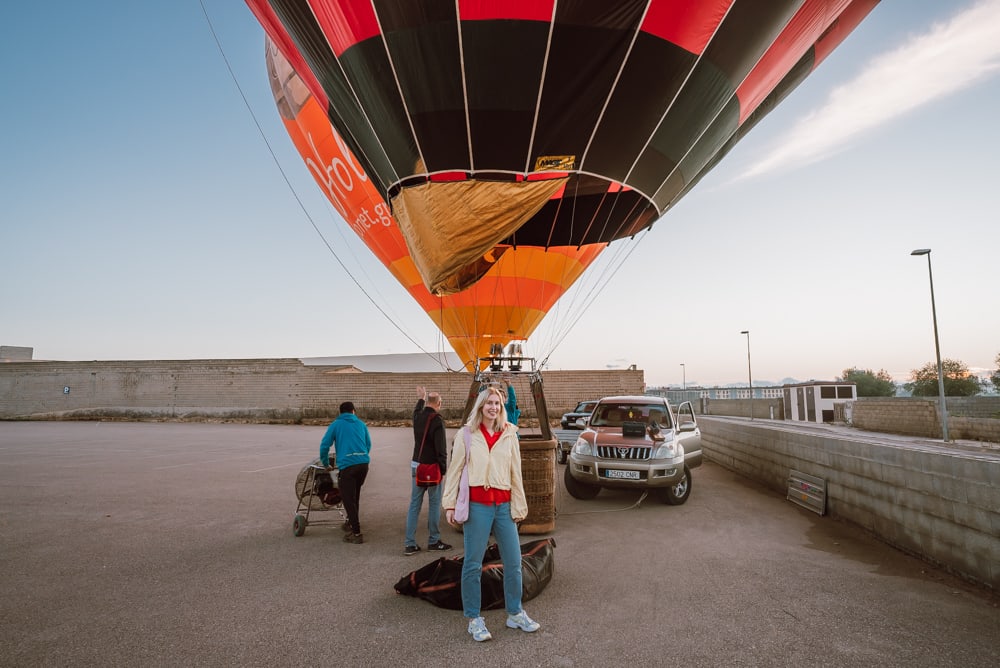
(636, 442)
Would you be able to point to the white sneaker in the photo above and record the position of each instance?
(522, 621)
(478, 630)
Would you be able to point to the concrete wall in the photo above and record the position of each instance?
(940, 504)
(972, 418)
(741, 408)
(16, 353)
(265, 390)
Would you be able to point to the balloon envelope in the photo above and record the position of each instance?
(491, 126)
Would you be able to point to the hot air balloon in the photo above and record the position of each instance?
(514, 287)
(488, 150)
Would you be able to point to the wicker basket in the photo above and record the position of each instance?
(538, 473)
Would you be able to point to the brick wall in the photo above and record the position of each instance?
(934, 502)
(264, 390)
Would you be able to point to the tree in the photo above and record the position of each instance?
(958, 382)
(995, 376)
(869, 383)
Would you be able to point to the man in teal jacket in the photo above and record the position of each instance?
(353, 445)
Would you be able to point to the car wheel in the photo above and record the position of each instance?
(560, 455)
(677, 494)
(577, 489)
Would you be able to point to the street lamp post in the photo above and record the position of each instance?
(937, 346)
(684, 382)
(749, 373)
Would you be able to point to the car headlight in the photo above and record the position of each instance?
(666, 451)
(583, 447)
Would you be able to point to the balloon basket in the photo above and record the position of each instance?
(538, 456)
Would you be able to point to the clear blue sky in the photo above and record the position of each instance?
(143, 217)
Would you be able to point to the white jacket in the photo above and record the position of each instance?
(499, 468)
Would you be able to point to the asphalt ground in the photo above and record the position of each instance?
(170, 544)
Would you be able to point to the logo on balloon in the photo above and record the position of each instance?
(336, 176)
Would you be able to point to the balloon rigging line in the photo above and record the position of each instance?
(591, 296)
(596, 292)
(465, 90)
(361, 267)
(586, 296)
(295, 194)
(565, 267)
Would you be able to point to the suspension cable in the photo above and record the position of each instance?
(291, 188)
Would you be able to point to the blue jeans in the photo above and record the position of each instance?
(433, 511)
(476, 531)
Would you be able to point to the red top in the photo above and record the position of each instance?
(490, 496)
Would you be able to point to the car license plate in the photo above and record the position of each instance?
(627, 475)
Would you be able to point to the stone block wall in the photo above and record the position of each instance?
(973, 407)
(265, 390)
(972, 418)
(934, 502)
(974, 429)
(912, 417)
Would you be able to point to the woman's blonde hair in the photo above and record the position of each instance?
(476, 416)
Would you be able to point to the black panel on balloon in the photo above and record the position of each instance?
(589, 43)
(587, 213)
(422, 39)
(706, 92)
(370, 73)
(503, 69)
(654, 72)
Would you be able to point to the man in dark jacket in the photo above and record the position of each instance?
(430, 445)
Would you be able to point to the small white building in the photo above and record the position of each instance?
(816, 401)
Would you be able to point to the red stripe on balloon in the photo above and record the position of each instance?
(813, 17)
(848, 20)
(491, 10)
(689, 24)
(345, 23)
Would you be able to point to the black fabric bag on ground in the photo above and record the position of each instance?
(440, 581)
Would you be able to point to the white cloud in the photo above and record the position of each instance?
(950, 57)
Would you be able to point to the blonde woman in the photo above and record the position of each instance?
(497, 504)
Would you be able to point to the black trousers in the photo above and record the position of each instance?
(351, 480)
